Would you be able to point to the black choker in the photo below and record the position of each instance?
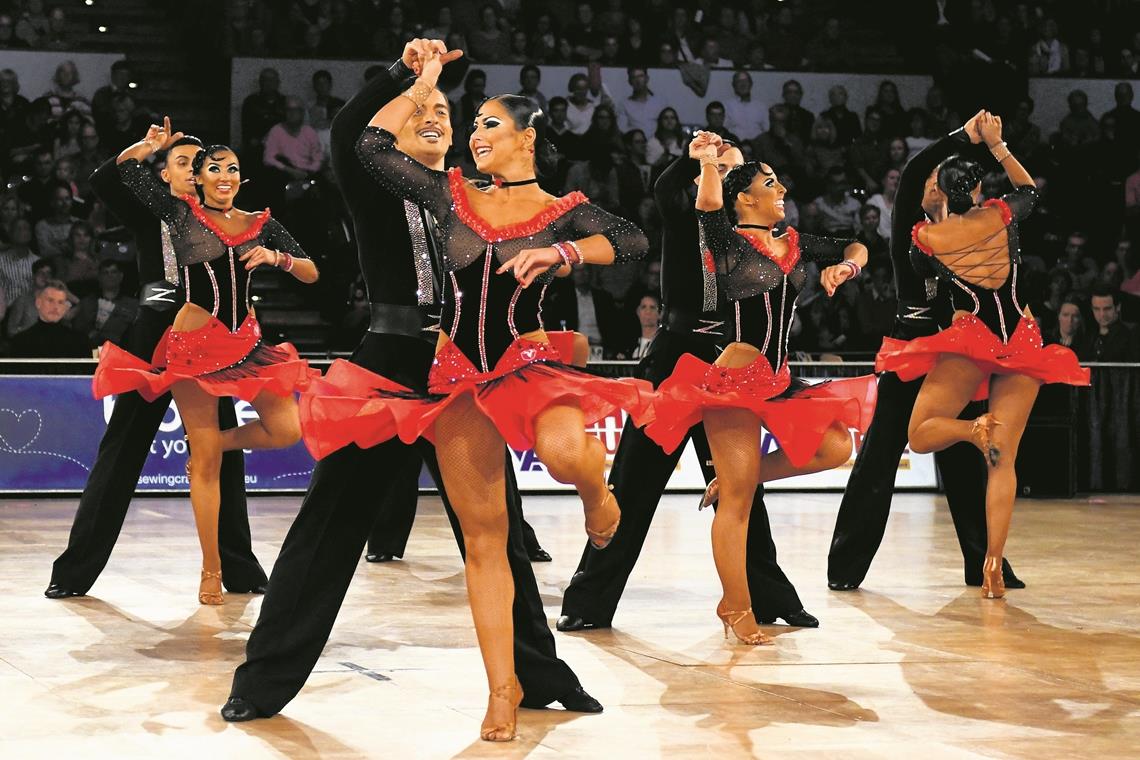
(223, 211)
(752, 227)
(502, 183)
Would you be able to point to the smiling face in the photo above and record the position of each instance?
(179, 169)
(426, 136)
(496, 141)
(763, 201)
(220, 178)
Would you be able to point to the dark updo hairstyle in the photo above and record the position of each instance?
(737, 181)
(957, 177)
(210, 151)
(525, 113)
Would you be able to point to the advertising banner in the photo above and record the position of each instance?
(50, 428)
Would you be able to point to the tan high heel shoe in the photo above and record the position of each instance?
(512, 694)
(711, 495)
(993, 584)
(729, 619)
(210, 597)
(600, 540)
(982, 431)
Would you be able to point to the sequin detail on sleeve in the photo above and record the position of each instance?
(152, 193)
(629, 242)
(402, 174)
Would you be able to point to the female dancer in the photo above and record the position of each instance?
(496, 378)
(750, 384)
(992, 347)
(214, 348)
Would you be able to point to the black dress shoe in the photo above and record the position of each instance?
(568, 623)
(56, 591)
(261, 588)
(575, 701)
(370, 557)
(843, 586)
(238, 710)
(799, 619)
(538, 554)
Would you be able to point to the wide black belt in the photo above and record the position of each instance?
(412, 321)
(699, 323)
(159, 295)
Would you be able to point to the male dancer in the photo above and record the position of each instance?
(134, 421)
(862, 518)
(641, 470)
(322, 549)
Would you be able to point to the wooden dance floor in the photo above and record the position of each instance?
(914, 665)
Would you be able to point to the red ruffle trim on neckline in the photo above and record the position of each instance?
(788, 261)
(918, 243)
(512, 231)
(231, 240)
(1003, 207)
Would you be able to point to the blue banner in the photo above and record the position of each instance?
(50, 428)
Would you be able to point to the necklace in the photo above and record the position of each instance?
(752, 227)
(503, 183)
(223, 211)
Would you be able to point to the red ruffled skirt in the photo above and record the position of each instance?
(352, 405)
(968, 336)
(223, 363)
(798, 416)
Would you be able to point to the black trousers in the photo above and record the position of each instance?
(862, 518)
(640, 472)
(398, 512)
(323, 547)
(122, 453)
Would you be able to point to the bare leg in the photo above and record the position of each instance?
(1011, 400)
(277, 426)
(199, 413)
(934, 423)
(834, 450)
(470, 452)
(734, 439)
(572, 456)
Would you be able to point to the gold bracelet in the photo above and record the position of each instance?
(418, 93)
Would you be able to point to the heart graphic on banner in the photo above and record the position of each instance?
(19, 430)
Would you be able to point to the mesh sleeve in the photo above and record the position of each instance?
(278, 238)
(721, 239)
(152, 193)
(823, 250)
(401, 174)
(1021, 201)
(629, 242)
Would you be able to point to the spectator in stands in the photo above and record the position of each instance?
(463, 112)
(649, 318)
(611, 51)
(822, 153)
(89, 157)
(890, 109)
(125, 126)
(10, 211)
(29, 134)
(846, 122)
(389, 37)
(586, 93)
(1070, 328)
(1076, 261)
(603, 130)
(714, 122)
(710, 55)
(36, 192)
(838, 211)
(1021, 135)
(17, 262)
(488, 43)
(830, 51)
(941, 120)
(635, 174)
(597, 177)
(530, 77)
(680, 37)
(8, 38)
(1048, 55)
(33, 24)
(898, 152)
(781, 148)
(668, 140)
(568, 144)
(641, 109)
(53, 231)
(785, 46)
(585, 35)
(22, 309)
(68, 135)
(102, 104)
(341, 36)
(49, 337)
(62, 95)
(106, 315)
(311, 44)
(518, 48)
(443, 25)
(878, 246)
(12, 103)
(324, 105)
(744, 116)
(635, 48)
(1127, 117)
(293, 147)
(916, 136)
(666, 55)
(1079, 127)
(799, 118)
(1112, 341)
(543, 40)
(885, 201)
(876, 303)
(77, 264)
(259, 112)
(758, 58)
